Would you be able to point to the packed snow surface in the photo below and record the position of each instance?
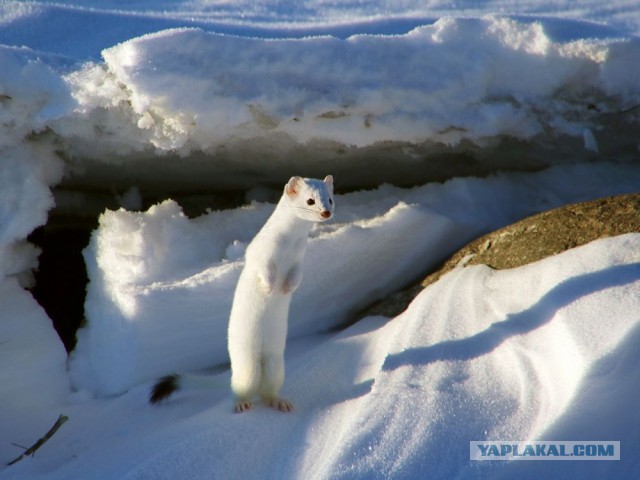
(536, 352)
(82, 28)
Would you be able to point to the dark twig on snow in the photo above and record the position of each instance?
(52, 431)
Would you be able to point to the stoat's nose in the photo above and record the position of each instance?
(325, 214)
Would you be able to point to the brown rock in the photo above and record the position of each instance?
(533, 239)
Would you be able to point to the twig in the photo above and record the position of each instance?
(52, 431)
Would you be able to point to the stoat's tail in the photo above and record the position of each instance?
(168, 385)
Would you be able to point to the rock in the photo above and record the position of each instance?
(532, 239)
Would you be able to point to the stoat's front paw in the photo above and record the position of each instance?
(268, 279)
(267, 285)
(293, 280)
(286, 288)
(267, 288)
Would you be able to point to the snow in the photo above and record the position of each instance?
(187, 93)
(345, 98)
(164, 100)
(161, 285)
(32, 357)
(33, 374)
(143, 98)
(97, 24)
(472, 358)
(29, 94)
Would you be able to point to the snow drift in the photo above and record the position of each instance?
(161, 284)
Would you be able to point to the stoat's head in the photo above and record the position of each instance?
(310, 199)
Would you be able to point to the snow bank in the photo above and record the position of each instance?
(458, 79)
(425, 101)
(32, 357)
(537, 352)
(161, 284)
(189, 110)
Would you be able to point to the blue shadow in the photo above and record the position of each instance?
(518, 323)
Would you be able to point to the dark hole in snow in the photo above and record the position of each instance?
(61, 278)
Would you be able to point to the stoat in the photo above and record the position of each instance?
(259, 314)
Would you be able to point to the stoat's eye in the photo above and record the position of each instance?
(331, 201)
(311, 201)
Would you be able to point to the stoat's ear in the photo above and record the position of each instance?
(293, 186)
(329, 180)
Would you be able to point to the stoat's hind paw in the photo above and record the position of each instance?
(242, 406)
(279, 404)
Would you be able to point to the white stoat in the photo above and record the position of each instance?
(259, 315)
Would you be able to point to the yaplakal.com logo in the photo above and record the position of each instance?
(544, 450)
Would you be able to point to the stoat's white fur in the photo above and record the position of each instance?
(259, 315)
(272, 272)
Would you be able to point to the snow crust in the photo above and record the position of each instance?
(187, 90)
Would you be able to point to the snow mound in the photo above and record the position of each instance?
(161, 284)
(504, 360)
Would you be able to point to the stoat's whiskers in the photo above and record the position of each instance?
(312, 210)
(300, 208)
